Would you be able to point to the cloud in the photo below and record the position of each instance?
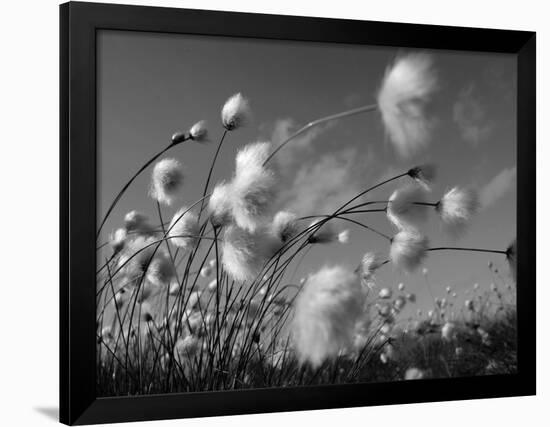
(470, 115)
(324, 185)
(284, 128)
(501, 184)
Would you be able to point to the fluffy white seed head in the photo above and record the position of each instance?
(206, 271)
(284, 226)
(456, 209)
(219, 204)
(408, 250)
(245, 253)
(385, 293)
(448, 331)
(186, 348)
(236, 112)
(137, 256)
(414, 374)
(254, 187)
(403, 210)
(369, 264)
(343, 236)
(199, 131)
(326, 312)
(117, 240)
(212, 286)
(137, 223)
(167, 180)
(161, 271)
(406, 88)
(184, 229)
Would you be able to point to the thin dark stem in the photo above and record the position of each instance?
(212, 169)
(494, 251)
(121, 192)
(359, 110)
(370, 189)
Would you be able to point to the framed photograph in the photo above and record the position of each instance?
(268, 213)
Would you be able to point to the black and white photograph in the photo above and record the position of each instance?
(277, 213)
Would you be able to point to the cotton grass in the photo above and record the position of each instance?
(184, 231)
(244, 253)
(326, 312)
(408, 249)
(253, 187)
(236, 112)
(406, 88)
(167, 181)
(456, 208)
(403, 208)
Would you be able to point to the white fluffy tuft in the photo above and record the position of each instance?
(253, 187)
(284, 226)
(326, 312)
(184, 229)
(236, 112)
(408, 250)
(456, 209)
(167, 180)
(407, 86)
(402, 210)
(244, 253)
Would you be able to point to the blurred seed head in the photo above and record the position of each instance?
(406, 88)
(408, 250)
(167, 181)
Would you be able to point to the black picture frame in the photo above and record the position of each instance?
(79, 23)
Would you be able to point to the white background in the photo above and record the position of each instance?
(29, 213)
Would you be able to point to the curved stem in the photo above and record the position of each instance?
(123, 190)
(370, 189)
(359, 110)
(212, 169)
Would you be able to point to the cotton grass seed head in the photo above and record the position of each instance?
(236, 112)
(199, 131)
(456, 208)
(184, 231)
(167, 181)
(219, 204)
(254, 187)
(137, 256)
(161, 270)
(385, 293)
(403, 210)
(326, 312)
(245, 253)
(284, 226)
(369, 264)
(186, 348)
(117, 240)
(414, 374)
(137, 223)
(406, 88)
(448, 331)
(408, 249)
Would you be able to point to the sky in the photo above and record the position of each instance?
(151, 85)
